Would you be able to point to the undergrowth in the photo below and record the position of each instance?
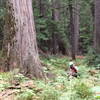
(58, 88)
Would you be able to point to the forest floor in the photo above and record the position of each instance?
(14, 86)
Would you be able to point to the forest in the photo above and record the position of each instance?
(49, 50)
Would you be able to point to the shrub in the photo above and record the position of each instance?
(26, 95)
(50, 94)
(93, 58)
(83, 91)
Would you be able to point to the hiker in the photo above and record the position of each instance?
(73, 69)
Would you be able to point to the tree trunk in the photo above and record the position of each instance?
(93, 20)
(97, 25)
(72, 31)
(42, 8)
(76, 25)
(24, 43)
(55, 17)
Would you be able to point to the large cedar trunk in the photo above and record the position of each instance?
(97, 25)
(25, 46)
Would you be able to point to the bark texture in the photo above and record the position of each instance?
(25, 45)
(97, 26)
(72, 31)
(56, 18)
(76, 25)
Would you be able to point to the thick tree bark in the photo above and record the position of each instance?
(25, 46)
(55, 17)
(76, 25)
(97, 25)
(72, 31)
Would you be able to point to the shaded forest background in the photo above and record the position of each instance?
(52, 19)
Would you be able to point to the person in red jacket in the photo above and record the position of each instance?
(73, 69)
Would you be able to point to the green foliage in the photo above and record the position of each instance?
(93, 58)
(50, 94)
(83, 91)
(4, 86)
(46, 25)
(86, 25)
(86, 41)
(26, 95)
(57, 62)
(98, 97)
(96, 89)
(19, 77)
(60, 88)
(6, 76)
(4, 79)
